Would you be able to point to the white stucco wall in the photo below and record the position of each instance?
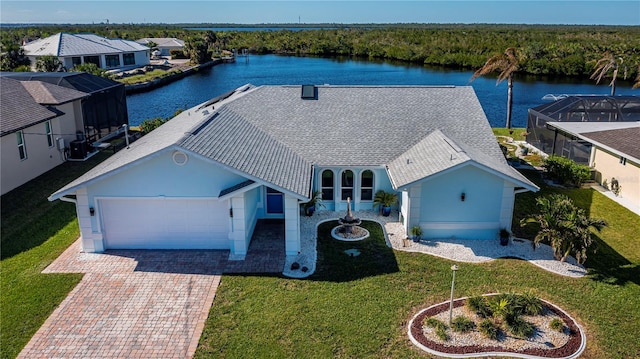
(437, 205)
(40, 157)
(608, 166)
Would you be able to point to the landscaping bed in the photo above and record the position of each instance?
(544, 342)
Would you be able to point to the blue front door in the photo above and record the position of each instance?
(275, 201)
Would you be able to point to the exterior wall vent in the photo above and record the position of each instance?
(309, 92)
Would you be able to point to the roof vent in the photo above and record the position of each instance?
(309, 92)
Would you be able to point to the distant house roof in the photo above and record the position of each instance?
(80, 81)
(19, 108)
(64, 45)
(162, 41)
(621, 138)
(271, 134)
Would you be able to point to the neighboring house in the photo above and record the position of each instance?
(582, 108)
(37, 120)
(203, 179)
(76, 49)
(164, 44)
(614, 152)
(104, 112)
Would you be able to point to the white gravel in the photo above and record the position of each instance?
(459, 250)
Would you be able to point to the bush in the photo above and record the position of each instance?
(557, 325)
(149, 125)
(479, 305)
(565, 171)
(530, 304)
(178, 54)
(462, 325)
(519, 327)
(441, 328)
(489, 330)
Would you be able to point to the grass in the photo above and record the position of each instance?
(518, 134)
(34, 233)
(359, 307)
(351, 307)
(149, 76)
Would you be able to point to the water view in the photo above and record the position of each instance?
(279, 70)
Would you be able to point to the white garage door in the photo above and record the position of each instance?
(165, 223)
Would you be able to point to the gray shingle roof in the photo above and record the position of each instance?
(19, 109)
(271, 134)
(162, 41)
(48, 94)
(63, 44)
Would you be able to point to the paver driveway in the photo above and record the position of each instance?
(130, 304)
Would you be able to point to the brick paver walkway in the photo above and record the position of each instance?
(130, 304)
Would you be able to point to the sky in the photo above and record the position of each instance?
(573, 12)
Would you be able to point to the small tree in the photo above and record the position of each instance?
(12, 57)
(90, 68)
(564, 226)
(48, 63)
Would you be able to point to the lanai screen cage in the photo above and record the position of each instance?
(551, 140)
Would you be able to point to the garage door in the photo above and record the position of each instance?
(165, 223)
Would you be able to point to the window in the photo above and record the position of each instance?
(76, 60)
(366, 186)
(129, 58)
(327, 185)
(47, 131)
(92, 60)
(347, 184)
(112, 60)
(21, 147)
(623, 161)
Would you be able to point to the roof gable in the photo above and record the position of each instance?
(49, 94)
(19, 109)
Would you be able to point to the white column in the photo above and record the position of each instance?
(239, 240)
(90, 230)
(291, 225)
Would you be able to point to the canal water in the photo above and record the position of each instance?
(278, 70)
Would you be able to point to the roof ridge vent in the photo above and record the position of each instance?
(309, 92)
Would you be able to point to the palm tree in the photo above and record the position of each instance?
(507, 64)
(604, 65)
(637, 82)
(564, 226)
(210, 38)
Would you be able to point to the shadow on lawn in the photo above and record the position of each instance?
(335, 265)
(608, 266)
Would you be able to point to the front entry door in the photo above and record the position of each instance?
(275, 201)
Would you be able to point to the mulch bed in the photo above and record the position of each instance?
(571, 347)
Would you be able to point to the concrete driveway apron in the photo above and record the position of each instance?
(130, 304)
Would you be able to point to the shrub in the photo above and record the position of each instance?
(441, 328)
(462, 325)
(149, 125)
(566, 171)
(530, 304)
(557, 324)
(479, 305)
(177, 54)
(489, 330)
(519, 327)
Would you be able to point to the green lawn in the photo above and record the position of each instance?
(359, 307)
(351, 307)
(34, 233)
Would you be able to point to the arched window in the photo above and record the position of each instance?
(366, 186)
(347, 184)
(327, 185)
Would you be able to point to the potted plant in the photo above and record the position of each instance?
(316, 201)
(504, 236)
(416, 233)
(385, 200)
